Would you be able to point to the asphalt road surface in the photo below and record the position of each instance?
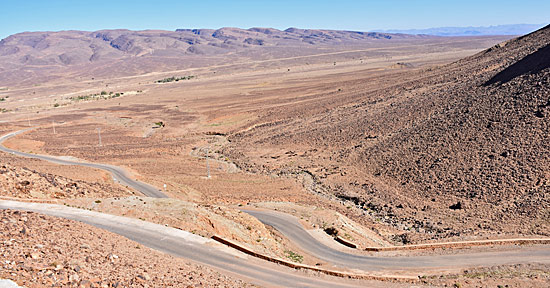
(118, 173)
(290, 227)
(184, 244)
(187, 245)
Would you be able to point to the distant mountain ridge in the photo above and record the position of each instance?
(511, 29)
(124, 52)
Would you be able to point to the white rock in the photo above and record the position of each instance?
(8, 284)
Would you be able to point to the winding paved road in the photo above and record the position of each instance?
(187, 245)
(118, 173)
(295, 232)
(184, 244)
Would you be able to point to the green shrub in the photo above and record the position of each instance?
(174, 78)
(294, 256)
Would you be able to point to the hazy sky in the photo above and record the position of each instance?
(53, 15)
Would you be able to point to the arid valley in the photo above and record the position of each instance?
(261, 157)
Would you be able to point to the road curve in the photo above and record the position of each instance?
(118, 173)
(187, 245)
(290, 227)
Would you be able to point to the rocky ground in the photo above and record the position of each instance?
(520, 276)
(325, 135)
(22, 182)
(202, 219)
(44, 251)
(454, 152)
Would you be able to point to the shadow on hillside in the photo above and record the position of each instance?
(532, 63)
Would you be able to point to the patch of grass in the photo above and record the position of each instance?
(347, 236)
(175, 79)
(294, 256)
(97, 96)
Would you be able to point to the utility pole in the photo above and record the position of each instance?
(99, 135)
(207, 164)
(53, 126)
(29, 120)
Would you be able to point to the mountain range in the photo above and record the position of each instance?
(512, 29)
(44, 56)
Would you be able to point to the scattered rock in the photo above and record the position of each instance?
(456, 206)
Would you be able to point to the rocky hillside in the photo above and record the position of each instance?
(45, 251)
(25, 183)
(456, 150)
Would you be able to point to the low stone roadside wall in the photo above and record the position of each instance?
(408, 279)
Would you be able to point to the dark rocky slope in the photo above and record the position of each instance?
(460, 150)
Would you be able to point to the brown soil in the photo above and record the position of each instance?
(40, 251)
(202, 219)
(435, 153)
(341, 141)
(27, 183)
(520, 276)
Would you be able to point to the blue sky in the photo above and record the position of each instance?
(53, 15)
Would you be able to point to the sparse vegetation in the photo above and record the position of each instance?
(97, 96)
(347, 236)
(294, 256)
(175, 79)
(2, 99)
